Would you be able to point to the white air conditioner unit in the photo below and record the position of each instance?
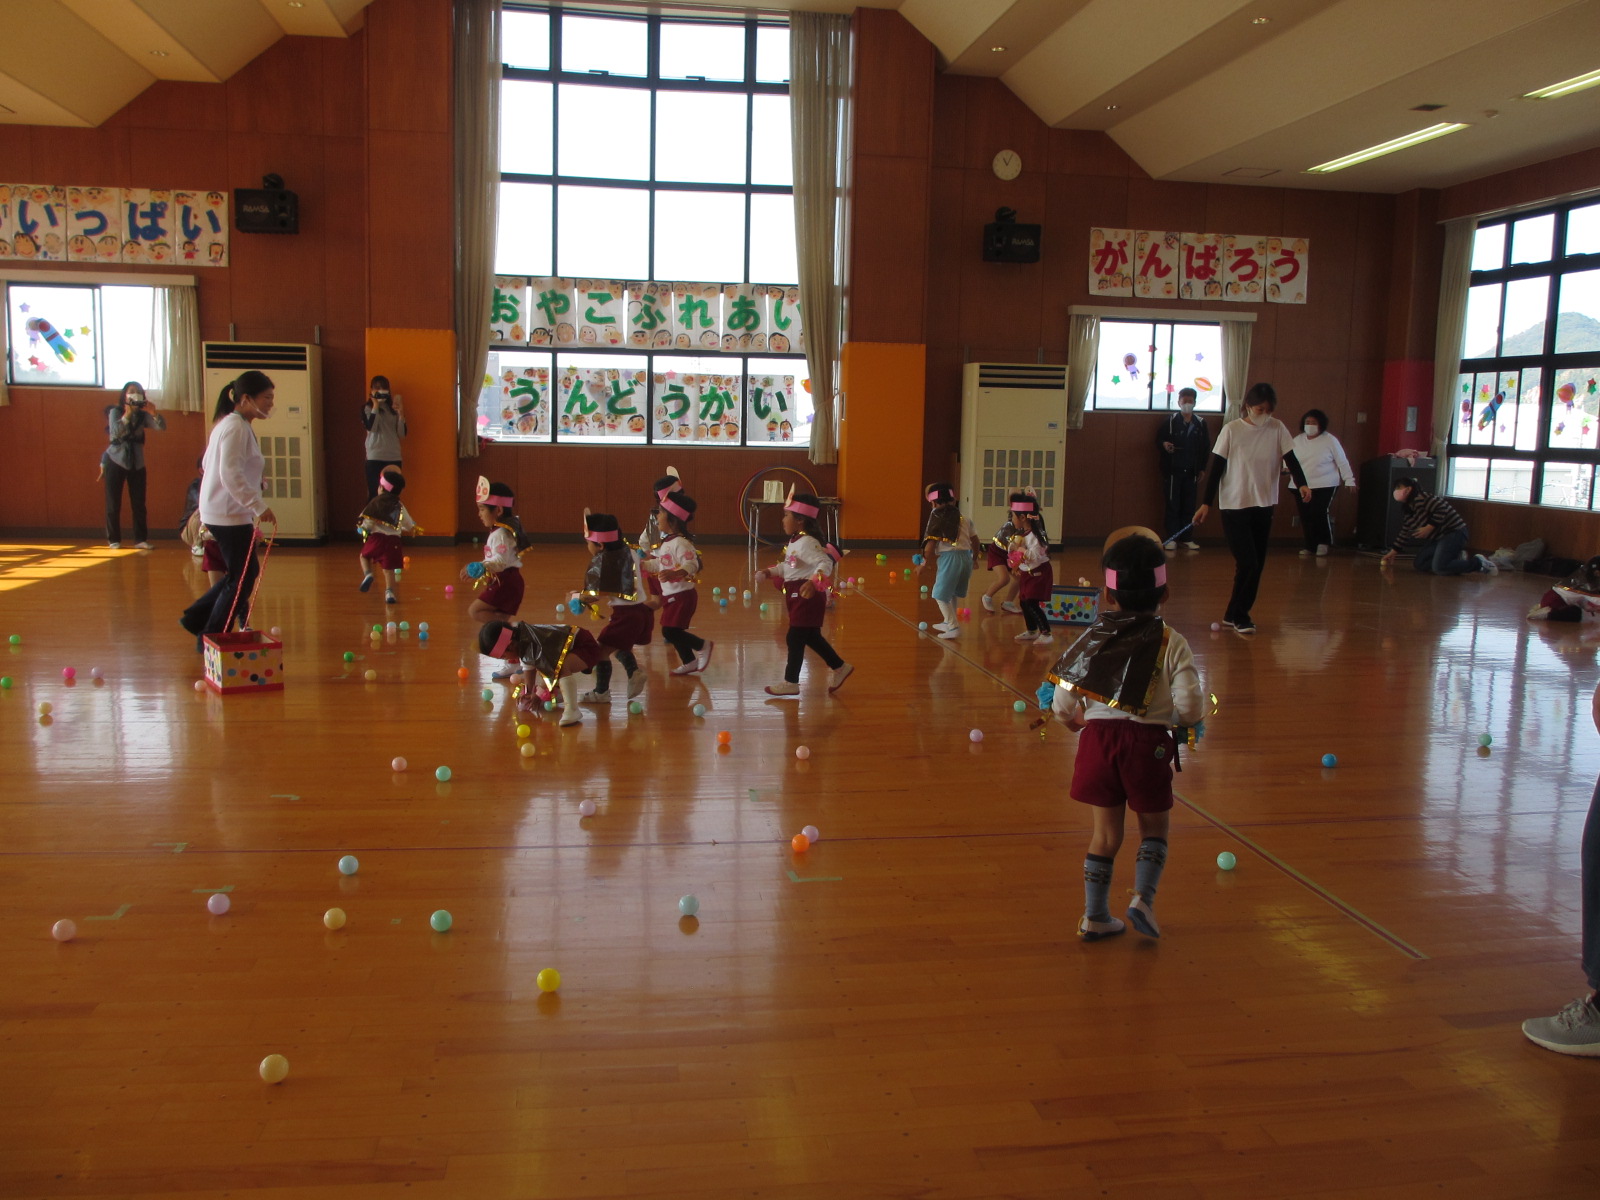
(1013, 436)
(291, 439)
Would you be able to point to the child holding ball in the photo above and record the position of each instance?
(1124, 684)
(547, 656)
(501, 568)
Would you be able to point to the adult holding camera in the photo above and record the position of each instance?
(384, 415)
(1326, 467)
(231, 502)
(123, 461)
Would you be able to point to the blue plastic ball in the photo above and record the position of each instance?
(922, 626)
(575, 606)
(1020, 706)
(442, 774)
(688, 906)
(699, 710)
(441, 921)
(722, 603)
(348, 865)
(1330, 760)
(423, 636)
(1226, 860)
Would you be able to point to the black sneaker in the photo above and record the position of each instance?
(1243, 625)
(366, 583)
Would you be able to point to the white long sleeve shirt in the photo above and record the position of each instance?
(1177, 699)
(676, 554)
(230, 484)
(804, 559)
(500, 550)
(1322, 459)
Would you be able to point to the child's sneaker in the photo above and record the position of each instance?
(783, 689)
(703, 659)
(506, 673)
(1044, 639)
(366, 583)
(1143, 919)
(390, 598)
(949, 634)
(942, 626)
(988, 603)
(688, 668)
(1027, 635)
(594, 697)
(1574, 1030)
(570, 715)
(636, 684)
(1010, 606)
(1093, 931)
(836, 680)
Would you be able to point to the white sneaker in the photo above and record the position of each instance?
(1093, 931)
(1169, 547)
(594, 697)
(688, 668)
(1143, 919)
(942, 626)
(1044, 639)
(141, 545)
(950, 634)
(1573, 1030)
(1305, 553)
(1322, 552)
(115, 545)
(1027, 635)
(636, 684)
(988, 603)
(1190, 545)
(1010, 606)
(703, 659)
(836, 680)
(783, 689)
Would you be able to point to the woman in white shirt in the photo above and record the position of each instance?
(231, 502)
(1244, 474)
(1322, 459)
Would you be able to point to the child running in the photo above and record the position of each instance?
(994, 561)
(1029, 557)
(544, 658)
(950, 539)
(676, 567)
(1125, 683)
(803, 577)
(614, 574)
(383, 521)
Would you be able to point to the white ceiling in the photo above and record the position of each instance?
(1191, 89)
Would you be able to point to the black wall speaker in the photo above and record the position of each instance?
(1006, 241)
(266, 210)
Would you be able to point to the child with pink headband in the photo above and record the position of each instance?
(1125, 683)
(803, 577)
(614, 574)
(383, 520)
(675, 568)
(951, 541)
(543, 658)
(1029, 558)
(500, 572)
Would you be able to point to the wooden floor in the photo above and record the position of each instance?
(903, 1011)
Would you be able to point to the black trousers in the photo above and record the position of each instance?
(1247, 530)
(685, 643)
(1314, 522)
(375, 468)
(209, 614)
(1181, 501)
(116, 475)
(1034, 615)
(808, 636)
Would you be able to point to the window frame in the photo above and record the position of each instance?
(1132, 316)
(654, 84)
(1546, 361)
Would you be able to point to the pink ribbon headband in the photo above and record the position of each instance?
(1161, 577)
(600, 535)
(502, 643)
(673, 507)
(805, 510)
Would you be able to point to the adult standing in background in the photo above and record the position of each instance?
(1185, 442)
(1244, 472)
(385, 418)
(1323, 460)
(123, 461)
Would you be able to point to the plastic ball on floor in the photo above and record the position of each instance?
(724, 737)
(1330, 760)
(549, 706)
(16, 639)
(716, 591)
(423, 636)
(5, 682)
(406, 560)
(442, 774)
(802, 752)
(922, 626)
(800, 843)
(391, 627)
(528, 750)
(586, 808)
(462, 673)
(811, 834)
(1216, 627)
(487, 694)
(69, 672)
(334, 918)
(524, 730)
(561, 610)
(906, 573)
(763, 606)
(723, 603)
(1020, 706)
(976, 735)
(63, 931)
(688, 905)
(45, 708)
(1227, 861)
(699, 710)
(377, 629)
(549, 980)
(405, 626)
(441, 921)
(422, 627)
(397, 764)
(96, 673)
(635, 707)
(218, 903)
(199, 685)
(274, 1068)
(276, 631)
(349, 656)
(349, 865)
(1485, 739)
(924, 589)
(747, 595)
(449, 589)
(370, 676)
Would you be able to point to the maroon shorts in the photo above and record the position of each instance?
(385, 550)
(504, 592)
(211, 557)
(677, 609)
(1035, 585)
(1124, 762)
(993, 557)
(630, 625)
(805, 613)
(585, 649)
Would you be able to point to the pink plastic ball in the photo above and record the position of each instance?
(449, 589)
(802, 752)
(218, 903)
(399, 764)
(63, 931)
(199, 685)
(69, 672)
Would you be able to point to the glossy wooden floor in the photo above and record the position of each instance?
(902, 1011)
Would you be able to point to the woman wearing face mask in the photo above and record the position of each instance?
(1185, 443)
(385, 418)
(1244, 472)
(1323, 460)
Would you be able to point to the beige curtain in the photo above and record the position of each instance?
(819, 92)
(1235, 364)
(175, 350)
(477, 195)
(1083, 351)
(1454, 282)
(5, 392)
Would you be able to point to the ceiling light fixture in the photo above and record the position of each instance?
(997, 49)
(1112, 107)
(158, 53)
(1260, 20)
(1378, 151)
(1565, 88)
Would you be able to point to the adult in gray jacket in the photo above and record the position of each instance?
(123, 461)
(385, 418)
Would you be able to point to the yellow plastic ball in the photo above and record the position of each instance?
(371, 675)
(523, 731)
(334, 918)
(549, 979)
(274, 1068)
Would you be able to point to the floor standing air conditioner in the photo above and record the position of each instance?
(291, 438)
(1013, 435)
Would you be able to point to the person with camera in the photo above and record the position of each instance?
(123, 461)
(385, 418)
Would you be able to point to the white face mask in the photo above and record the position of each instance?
(1256, 418)
(1311, 430)
(1186, 409)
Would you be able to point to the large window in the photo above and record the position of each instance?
(1527, 415)
(637, 149)
(1145, 364)
(79, 335)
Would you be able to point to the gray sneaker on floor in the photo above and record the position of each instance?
(1573, 1030)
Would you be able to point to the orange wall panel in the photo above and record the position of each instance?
(880, 441)
(421, 366)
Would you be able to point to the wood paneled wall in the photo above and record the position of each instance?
(1566, 532)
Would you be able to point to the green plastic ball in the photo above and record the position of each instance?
(549, 706)
(441, 921)
(635, 707)
(1485, 739)
(699, 710)
(442, 774)
(16, 639)
(349, 656)
(377, 629)
(763, 608)
(488, 693)
(1226, 860)
(1020, 706)
(405, 625)
(5, 682)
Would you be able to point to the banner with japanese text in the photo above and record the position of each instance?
(786, 322)
(744, 317)
(771, 414)
(151, 226)
(509, 311)
(697, 316)
(694, 407)
(601, 402)
(516, 400)
(649, 315)
(1159, 264)
(602, 308)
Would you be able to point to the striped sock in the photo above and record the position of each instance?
(1147, 866)
(1097, 887)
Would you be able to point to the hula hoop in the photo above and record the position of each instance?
(744, 500)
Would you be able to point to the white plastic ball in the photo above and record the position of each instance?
(802, 752)
(398, 764)
(688, 906)
(63, 931)
(587, 808)
(811, 833)
(976, 735)
(218, 903)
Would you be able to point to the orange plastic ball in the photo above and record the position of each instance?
(462, 673)
(800, 843)
(724, 737)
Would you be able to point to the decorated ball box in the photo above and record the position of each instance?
(1072, 605)
(243, 662)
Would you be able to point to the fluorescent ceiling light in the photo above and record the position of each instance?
(1567, 86)
(1378, 151)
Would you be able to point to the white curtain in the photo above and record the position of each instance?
(477, 171)
(5, 392)
(1235, 364)
(175, 350)
(1083, 352)
(1454, 281)
(819, 91)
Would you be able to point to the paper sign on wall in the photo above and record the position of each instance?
(161, 227)
(1160, 264)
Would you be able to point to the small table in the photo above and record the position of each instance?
(828, 519)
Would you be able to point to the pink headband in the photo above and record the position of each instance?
(673, 507)
(805, 510)
(502, 643)
(934, 493)
(834, 552)
(1026, 506)
(665, 492)
(600, 535)
(497, 501)
(385, 484)
(1161, 577)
